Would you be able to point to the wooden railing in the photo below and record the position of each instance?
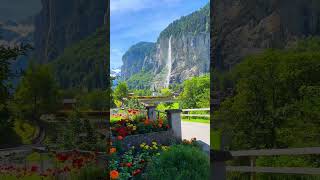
(253, 169)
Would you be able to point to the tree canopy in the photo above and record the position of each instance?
(277, 98)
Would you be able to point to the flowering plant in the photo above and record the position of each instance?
(132, 163)
(137, 123)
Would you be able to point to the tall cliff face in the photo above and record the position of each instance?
(241, 28)
(189, 57)
(62, 23)
(181, 51)
(137, 58)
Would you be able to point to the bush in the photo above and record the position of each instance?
(179, 163)
(89, 173)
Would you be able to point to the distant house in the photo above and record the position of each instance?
(69, 104)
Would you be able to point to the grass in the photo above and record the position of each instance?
(114, 119)
(25, 130)
(197, 120)
(36, 157)
(215, 139)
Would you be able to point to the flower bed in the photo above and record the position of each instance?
(65, 165)
(132, 163)
(136, 128)
(137, 123)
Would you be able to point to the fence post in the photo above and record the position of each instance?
(174, 118)
(151, 110)
(252, 165)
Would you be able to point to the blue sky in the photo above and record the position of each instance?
(133, 21)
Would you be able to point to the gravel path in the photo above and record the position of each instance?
(201, 131)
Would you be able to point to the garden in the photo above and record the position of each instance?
(145, 148)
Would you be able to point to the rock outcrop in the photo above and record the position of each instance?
(241, 28)
(62, 23)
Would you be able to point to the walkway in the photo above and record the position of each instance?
(201, 131)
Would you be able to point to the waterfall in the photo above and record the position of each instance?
(169, 63)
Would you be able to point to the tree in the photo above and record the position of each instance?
(196, 92)
(166, 92)
(37, 93)
(276, 99)
(7, 54)
(94, 100)
(121, 91)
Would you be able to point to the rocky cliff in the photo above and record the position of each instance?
(241, 28)
(62, 23)
(181, 51)
(139, 56)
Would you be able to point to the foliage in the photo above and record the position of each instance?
(196, 92)
(165, 106)
(78, 133)
(90, 172)
(166, 92)
(37, 93)
(180, 162)
(194, 23)
(121, 91)
(85, 64)
(25, 130)
(277, 98)
(133, 103)
(141, 80)
(142, 92)
(132, 163)
(94, 100)
(7, 54)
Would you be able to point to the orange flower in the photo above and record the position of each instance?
(114, 174)
(147, 122)
(113, 150)
(120, 138)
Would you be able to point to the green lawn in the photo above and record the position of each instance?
(197, 120)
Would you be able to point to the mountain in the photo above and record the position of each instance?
(241, 28)
(62, 23)
(182, 50)
(139, 56)
(84, 64)
(14, 33)
(72, 37)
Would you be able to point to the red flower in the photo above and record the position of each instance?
(119, 138)
(34, 169)
(136, 172)
(129, 164)
(62, 157)
(122, 132)
(142, 161)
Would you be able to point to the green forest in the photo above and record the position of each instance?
(276, 99)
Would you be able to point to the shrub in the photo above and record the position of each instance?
(90, 172)
(179, 163)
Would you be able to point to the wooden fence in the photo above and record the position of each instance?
(186, 113)
(253, 169)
